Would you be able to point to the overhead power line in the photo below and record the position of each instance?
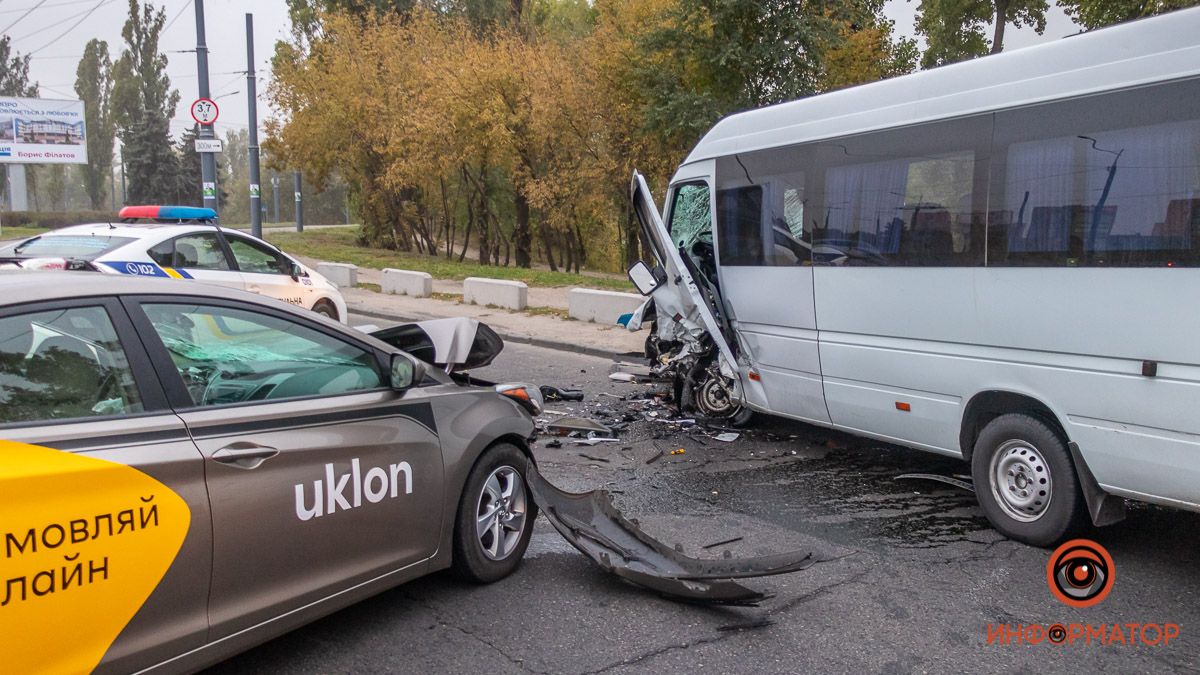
(19, 18)
(75, 25)
(57, 4)
(177, 15)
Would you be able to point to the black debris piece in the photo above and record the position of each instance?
(551, 393)
(722, 543)
(593, 525)
(573, 424)
(956, 482)
(761, 622)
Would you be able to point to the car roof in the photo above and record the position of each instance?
(159, 232)
(23, 286)
(138, 230)
(1136, 53)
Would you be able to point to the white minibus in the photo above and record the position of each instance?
(997, 260)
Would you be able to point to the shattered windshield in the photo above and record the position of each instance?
(227, 355)
(691, 220)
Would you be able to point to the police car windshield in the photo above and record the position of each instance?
(79, 246)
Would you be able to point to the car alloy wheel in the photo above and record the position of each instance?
(500, 514)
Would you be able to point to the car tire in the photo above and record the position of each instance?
(326, 308)
(489, 550)
(1025, 481)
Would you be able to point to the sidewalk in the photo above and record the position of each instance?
(537, 296)
(539, 330)
(543, 330)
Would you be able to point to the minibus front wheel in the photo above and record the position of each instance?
(714, 399)
(1025, 480)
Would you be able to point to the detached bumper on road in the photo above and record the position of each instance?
(591, 523)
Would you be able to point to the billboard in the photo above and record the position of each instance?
(41, 131)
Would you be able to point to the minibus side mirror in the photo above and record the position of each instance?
(643, 279)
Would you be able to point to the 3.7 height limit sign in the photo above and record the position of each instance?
(205, 111)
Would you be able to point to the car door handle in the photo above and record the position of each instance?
(244, 455)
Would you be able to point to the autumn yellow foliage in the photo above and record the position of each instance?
(506, 142)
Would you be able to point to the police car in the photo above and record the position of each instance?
(178, 242)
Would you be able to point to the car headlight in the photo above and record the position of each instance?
(528, 396)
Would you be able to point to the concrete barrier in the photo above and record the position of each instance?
(506, 294)
(404, 282)
(586, 304)
(343, 275)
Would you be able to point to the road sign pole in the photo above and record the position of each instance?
(252, 100)
(298, 182)
(275, 195)
(208, 160)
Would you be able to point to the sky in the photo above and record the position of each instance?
(55, 32)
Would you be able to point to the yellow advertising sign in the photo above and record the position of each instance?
(85, 542)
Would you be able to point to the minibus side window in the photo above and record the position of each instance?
(761, 209)
(1099, 181)
(912, 197)
(739, 226)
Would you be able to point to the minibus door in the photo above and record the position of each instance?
(685, 303)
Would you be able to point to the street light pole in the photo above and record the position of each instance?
(208, 160)
(251, 98)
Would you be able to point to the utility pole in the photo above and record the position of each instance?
(208, 160)
(252, 99)
(298, 181)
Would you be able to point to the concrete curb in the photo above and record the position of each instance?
(507, 337)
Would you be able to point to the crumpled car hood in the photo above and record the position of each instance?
(591, 523)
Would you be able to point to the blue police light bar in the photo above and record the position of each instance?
(130, 213)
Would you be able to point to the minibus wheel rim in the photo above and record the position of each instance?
(713, 399)
(1021, 481)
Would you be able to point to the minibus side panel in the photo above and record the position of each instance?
(775, 321)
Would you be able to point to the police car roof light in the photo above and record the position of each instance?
(130, 213)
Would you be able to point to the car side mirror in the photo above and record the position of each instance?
(405, 371)
(643, 278)
(297, 271)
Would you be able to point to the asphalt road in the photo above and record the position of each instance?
(910, 576)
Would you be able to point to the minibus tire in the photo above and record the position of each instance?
(1029, 456)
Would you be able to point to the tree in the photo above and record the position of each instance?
(190, 174)
(143, 104)
(14, 81)
(954, 30)
(710, 58)
(509, 129)
(865, 49)
(233, 166)
(94, 84)
(14, 72)
(1099, 13)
